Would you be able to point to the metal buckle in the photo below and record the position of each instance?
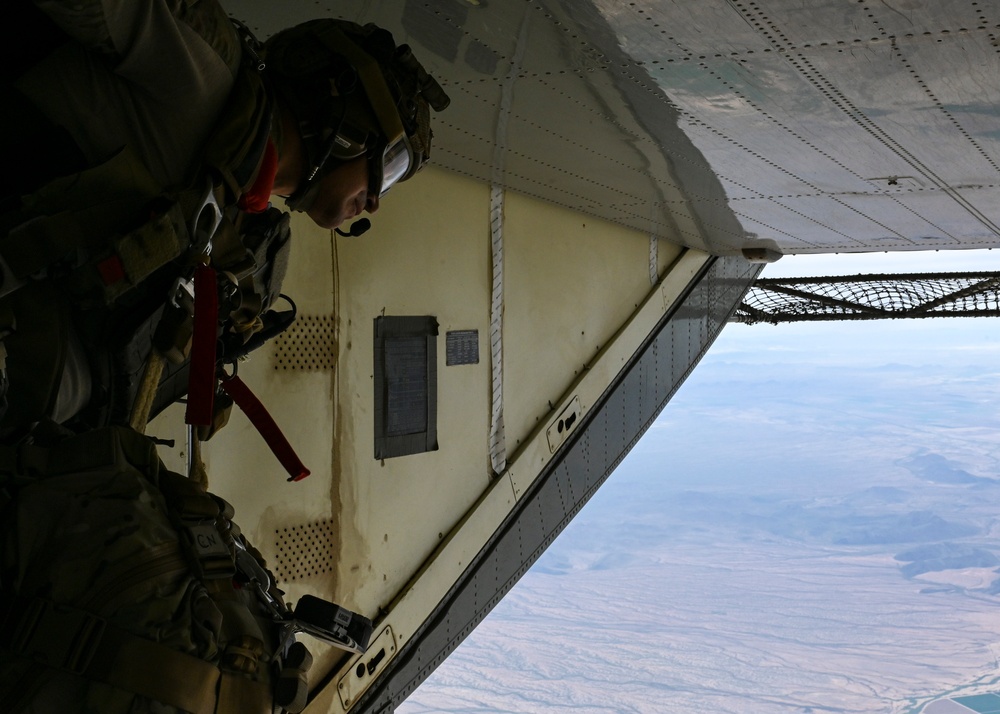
(205, 220)
(182, 295)
(258, 576)
(211, 550)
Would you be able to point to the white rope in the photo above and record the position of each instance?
(498, 443)
(654, 259)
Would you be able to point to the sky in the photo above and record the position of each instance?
(938, 261)
(754, 544)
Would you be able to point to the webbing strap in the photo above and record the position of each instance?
(374, 82)
(37, 243)
(82, 643)
(80, 453)
(239, 695)
(90, 207)
(151, 374)
(265, 424)
(201, 381)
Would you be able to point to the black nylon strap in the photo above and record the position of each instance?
(81, 643)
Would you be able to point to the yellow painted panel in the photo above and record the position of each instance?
(241, 467)
(427, 254)
(423, 594)
(570, 283)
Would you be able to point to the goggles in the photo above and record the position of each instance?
(396, 160)
(394, 164)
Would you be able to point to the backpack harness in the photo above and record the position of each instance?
(228, 247)
(258, 659)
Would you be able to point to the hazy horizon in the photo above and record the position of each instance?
(808, 526)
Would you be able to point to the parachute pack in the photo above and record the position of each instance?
(125, 587)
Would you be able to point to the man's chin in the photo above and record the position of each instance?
(326, 221)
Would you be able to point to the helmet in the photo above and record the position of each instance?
(353, 93)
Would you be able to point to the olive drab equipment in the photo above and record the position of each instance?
(125, 587)
(97, 266)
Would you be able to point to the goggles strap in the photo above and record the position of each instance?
(305, 194)
(372, 80)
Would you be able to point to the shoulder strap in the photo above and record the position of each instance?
(77, 211)
(236, 147)
(87, 209)
(76, 641)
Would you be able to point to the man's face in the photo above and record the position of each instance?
(343, 194)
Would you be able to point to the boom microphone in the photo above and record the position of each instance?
(357, 228)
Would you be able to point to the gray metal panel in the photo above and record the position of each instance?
(627, 409)
(720, 123)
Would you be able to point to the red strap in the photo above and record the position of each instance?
(111, 270)
(201, 380)
(257, 197)
(258, 416)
